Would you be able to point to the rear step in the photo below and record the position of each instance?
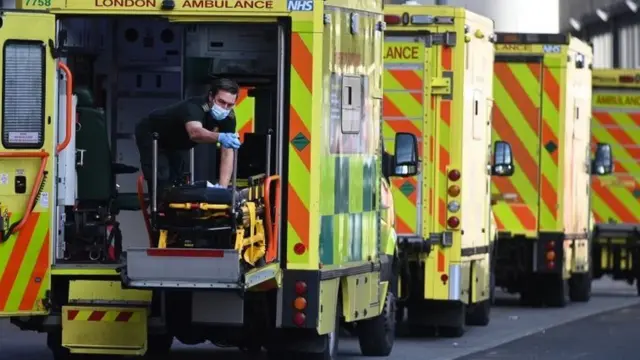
(182, 268)
(194, 268)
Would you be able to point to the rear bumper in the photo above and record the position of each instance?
(629, 232)
(517, 255)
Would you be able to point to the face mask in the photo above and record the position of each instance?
(219, 113)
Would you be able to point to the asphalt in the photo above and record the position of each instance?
(610, 335)
(601, 329)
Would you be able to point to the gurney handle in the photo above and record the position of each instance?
(234, 181)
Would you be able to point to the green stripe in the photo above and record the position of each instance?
(326, 240)
(341, 193)
(369, 188)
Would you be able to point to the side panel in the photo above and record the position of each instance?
(349, 167)
(27, 167)
(616, 121)
(517, 92)
(403, 111)
(576, 185)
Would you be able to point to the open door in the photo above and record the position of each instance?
(27, 160)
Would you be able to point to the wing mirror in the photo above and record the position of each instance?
(602, 163)
(502, 159)
(404, 162)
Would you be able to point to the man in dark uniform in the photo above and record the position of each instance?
(205, 119)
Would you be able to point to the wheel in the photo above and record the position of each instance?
(580, 287)
(377, 335)
(479, 314)
(638, 286)
(325, 347)
(158, 345)
(532, 294)
(556, 289)
(457, 330)
(451, 331)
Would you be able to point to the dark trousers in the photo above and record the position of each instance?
(170, 170)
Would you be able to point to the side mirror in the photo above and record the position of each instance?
(602, 164)
(405, 155)
(502, 159)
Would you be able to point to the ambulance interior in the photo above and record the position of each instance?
(123, 68)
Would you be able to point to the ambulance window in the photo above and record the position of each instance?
(351, 104)
(23, 94)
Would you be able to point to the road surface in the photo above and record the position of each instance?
(541, 333)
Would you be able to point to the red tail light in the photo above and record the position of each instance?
(551, 245)
(301, 288)
(299, 319)
(453, 222)
(392, 19)
(454, 175)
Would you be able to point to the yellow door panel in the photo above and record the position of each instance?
(27, 160)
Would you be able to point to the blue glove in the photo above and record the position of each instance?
(229, 140)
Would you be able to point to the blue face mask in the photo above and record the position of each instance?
(219, 113)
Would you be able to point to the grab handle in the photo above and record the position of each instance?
(69, 115)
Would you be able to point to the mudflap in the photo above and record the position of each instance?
(104, 330)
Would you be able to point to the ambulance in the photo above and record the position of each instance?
(438, 85)
(614, 204)
(542, 92)
(284, 268)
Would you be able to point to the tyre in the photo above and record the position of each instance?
(556, 289)
(325, 347)
(479, 314)
(158, 345)
(580, 287)
(377, 335)
(457, 330)
(638, 286)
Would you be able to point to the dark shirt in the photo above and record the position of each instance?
(169, 122)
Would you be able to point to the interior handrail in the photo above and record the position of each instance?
(143, 208)
(69, 116)
(272, 221)
(35, 189)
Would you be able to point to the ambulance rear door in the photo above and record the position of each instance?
(27, 160)
(405, 59)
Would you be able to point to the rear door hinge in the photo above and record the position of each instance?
(442, 85)
(448, 38)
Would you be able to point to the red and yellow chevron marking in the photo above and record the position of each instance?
(616, 198)
(105, 316)
(245, 112)
(519, 93)
(403, 112)
(301, 115)
(24, 267)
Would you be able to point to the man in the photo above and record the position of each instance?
(205, 119)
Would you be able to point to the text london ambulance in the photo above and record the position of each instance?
(186, 4)
(402, 52)
(617, 100)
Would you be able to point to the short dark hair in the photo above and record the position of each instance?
(227, 85)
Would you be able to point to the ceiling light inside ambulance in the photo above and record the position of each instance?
(422, 19)
(392, 19)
